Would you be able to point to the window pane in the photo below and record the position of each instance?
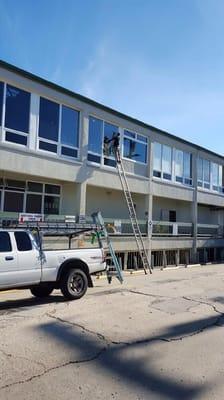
(94, 158)
(48, 147)
(70, 127)
(206, 171)
(135, 151)
(157, 156)
(220, 176)
(200, 169)
(1, 100)
(109, 131)
(52, 189)
(17, 111)
(187, 165)
(48, 119)
(179, 163)
(142, 138)
(15, 138)
(167, 159)
(67, 151)
(23, 241)
(5, 243)
(35, 187)
(129, 134)
(215, 176)
(33, 203)
(51, 205)
(95, 135)
(13, 184)
(13, 202)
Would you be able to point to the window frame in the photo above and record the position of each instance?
(5, 129)
(101, 164)
(26, 192)
(58, 143)
(184, 178)
(162, 172)
(134, 139)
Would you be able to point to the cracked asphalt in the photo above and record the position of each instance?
(155, 337)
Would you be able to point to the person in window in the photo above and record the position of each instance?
(115, 145)
(106, 146)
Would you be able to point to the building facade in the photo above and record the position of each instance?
(53, 161)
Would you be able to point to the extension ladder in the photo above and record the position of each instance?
(131, 209)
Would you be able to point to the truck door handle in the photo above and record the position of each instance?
(9, 258)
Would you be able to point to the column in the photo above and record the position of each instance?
(81, 198)
(194, 208)
(150, 201)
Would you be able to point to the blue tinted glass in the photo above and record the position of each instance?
(94, 158)
(129, 134)
(135, 151)
(17, 111)
(70, 127)
(95, 135)
(49, 119)
(1, 100)
(109, 130)
(15, 138)
(142, 138)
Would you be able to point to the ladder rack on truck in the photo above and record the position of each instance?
(71, 230)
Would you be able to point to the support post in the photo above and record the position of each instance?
(195, 208)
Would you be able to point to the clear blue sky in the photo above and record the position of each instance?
(161, 61)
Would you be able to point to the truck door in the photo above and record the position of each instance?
(28, 258)
(8, 260)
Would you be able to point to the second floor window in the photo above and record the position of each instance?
(135, 147)
(162, 161)
(58, 129)
(183, 167)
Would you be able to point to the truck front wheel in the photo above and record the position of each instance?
(42, 290)
(74, 284)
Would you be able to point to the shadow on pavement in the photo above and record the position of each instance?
(16, 305)
(124, 362)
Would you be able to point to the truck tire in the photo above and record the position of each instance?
(74, 284)
(42, 290)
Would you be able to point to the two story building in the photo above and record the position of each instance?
(53, 161)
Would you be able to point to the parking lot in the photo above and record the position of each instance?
(158, 336)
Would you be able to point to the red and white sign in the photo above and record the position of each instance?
(26, 217)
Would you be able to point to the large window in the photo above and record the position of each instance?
(135, 147)
(99, 145)
(216, 177)
(17, 115)
(183, 167)
(95, 140)
(55, 137)
(30, 197)
(204, 173)
(162, 161)
(1, 100)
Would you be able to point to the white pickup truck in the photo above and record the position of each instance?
(24, 264)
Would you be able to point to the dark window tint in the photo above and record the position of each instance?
(23, 241)
(67, 151)
(52, 189)
(15, 138)
(48, 119)
(48, 147)
(69, 127)
(33, 203)
(94, 158)
(157, 174)
(35, 187)
(13, 184)
(1, 100)
(5, 243)
(51, 205)
(109, 162)
(13, 202)
(172, 216)
(17, 111)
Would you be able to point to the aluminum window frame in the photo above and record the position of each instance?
(134, 139)
(5, 129)
(58, 143)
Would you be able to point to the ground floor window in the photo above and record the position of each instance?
(30, 197)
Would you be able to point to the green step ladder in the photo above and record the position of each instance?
(115, 268)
